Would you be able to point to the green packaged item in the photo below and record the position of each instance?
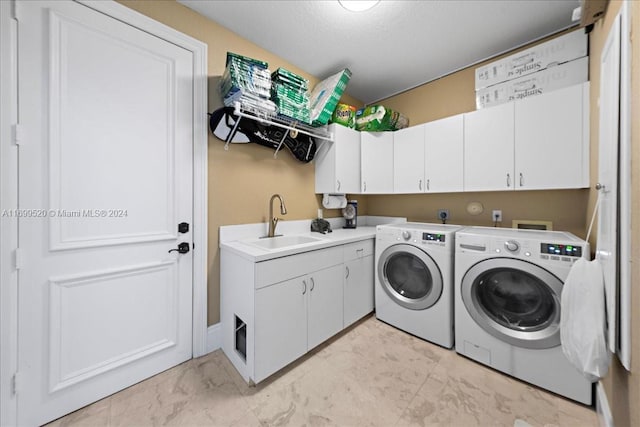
(325, 96)
(344, 115)
(290, 78)
(245, 60)
(245, 80)
(376, 118)
(289, 92)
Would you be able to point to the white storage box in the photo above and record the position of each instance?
(562, 49)
(547, 80)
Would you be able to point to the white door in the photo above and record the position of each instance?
(551, 148)
(105, 171)
(408, 160)
(607, 246)
(488, 149)
(443, 155)
(376, 151)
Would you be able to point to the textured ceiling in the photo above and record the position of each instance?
(393, 47)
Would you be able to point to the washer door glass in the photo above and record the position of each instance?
(410, 276)
(514, 300)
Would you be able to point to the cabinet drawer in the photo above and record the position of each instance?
(358, 249)
(280, 269)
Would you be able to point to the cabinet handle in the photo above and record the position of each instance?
(420, 184)
(364, 186)
(521, 180)
(347, 276)
(313, 284)
(338, 188)
(304, 287)
(508, 180)
(428, 181)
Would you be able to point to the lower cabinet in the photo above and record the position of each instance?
(324, 309)
(358, 282)
(280, 326)
(275, 311)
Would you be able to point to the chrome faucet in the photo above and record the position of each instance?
(273, 221)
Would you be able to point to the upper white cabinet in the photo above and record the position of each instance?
(488, 149)
(376, 159)
(552, 140)
(535, 144)
(443, 155)
(337, 162)
(408, 160)
(538, 143)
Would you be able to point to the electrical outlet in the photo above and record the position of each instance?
(443, 214)
(496, 216)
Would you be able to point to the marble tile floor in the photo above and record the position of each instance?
(370, 375)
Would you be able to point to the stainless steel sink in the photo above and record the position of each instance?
(281, 242)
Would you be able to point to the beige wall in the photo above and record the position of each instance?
(622, 387)
(241, 180)
(561, 207)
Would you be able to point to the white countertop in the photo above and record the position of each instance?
(235, 238)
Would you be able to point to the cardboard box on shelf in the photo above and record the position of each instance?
(547, 80)
(562, 49)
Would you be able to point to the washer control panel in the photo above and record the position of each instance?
(556, 251)
(526, 249)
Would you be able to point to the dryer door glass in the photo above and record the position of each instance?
(515, 301)
(410, 276)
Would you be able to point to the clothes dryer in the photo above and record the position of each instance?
(508, 285)
(414, 279)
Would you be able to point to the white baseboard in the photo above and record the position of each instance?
(602, 407)
(214, 337)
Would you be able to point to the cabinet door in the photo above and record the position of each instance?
(358, 289)
(408, 160)
(551, 140)
(337, 162)
(325, 317)
(280, 326)
(443, 155)
(376, 151)
(347, 159)
(488, 149)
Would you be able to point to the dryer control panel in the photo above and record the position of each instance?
(434, 237)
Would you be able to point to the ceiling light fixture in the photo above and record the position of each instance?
(358, 5)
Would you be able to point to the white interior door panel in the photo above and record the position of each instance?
(607, 247)
(106, 170)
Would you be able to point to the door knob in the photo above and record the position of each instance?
(182, 248)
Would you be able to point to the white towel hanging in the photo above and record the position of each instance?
(582, 320)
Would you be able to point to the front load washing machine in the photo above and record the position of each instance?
(414, 279)
(507, 304)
